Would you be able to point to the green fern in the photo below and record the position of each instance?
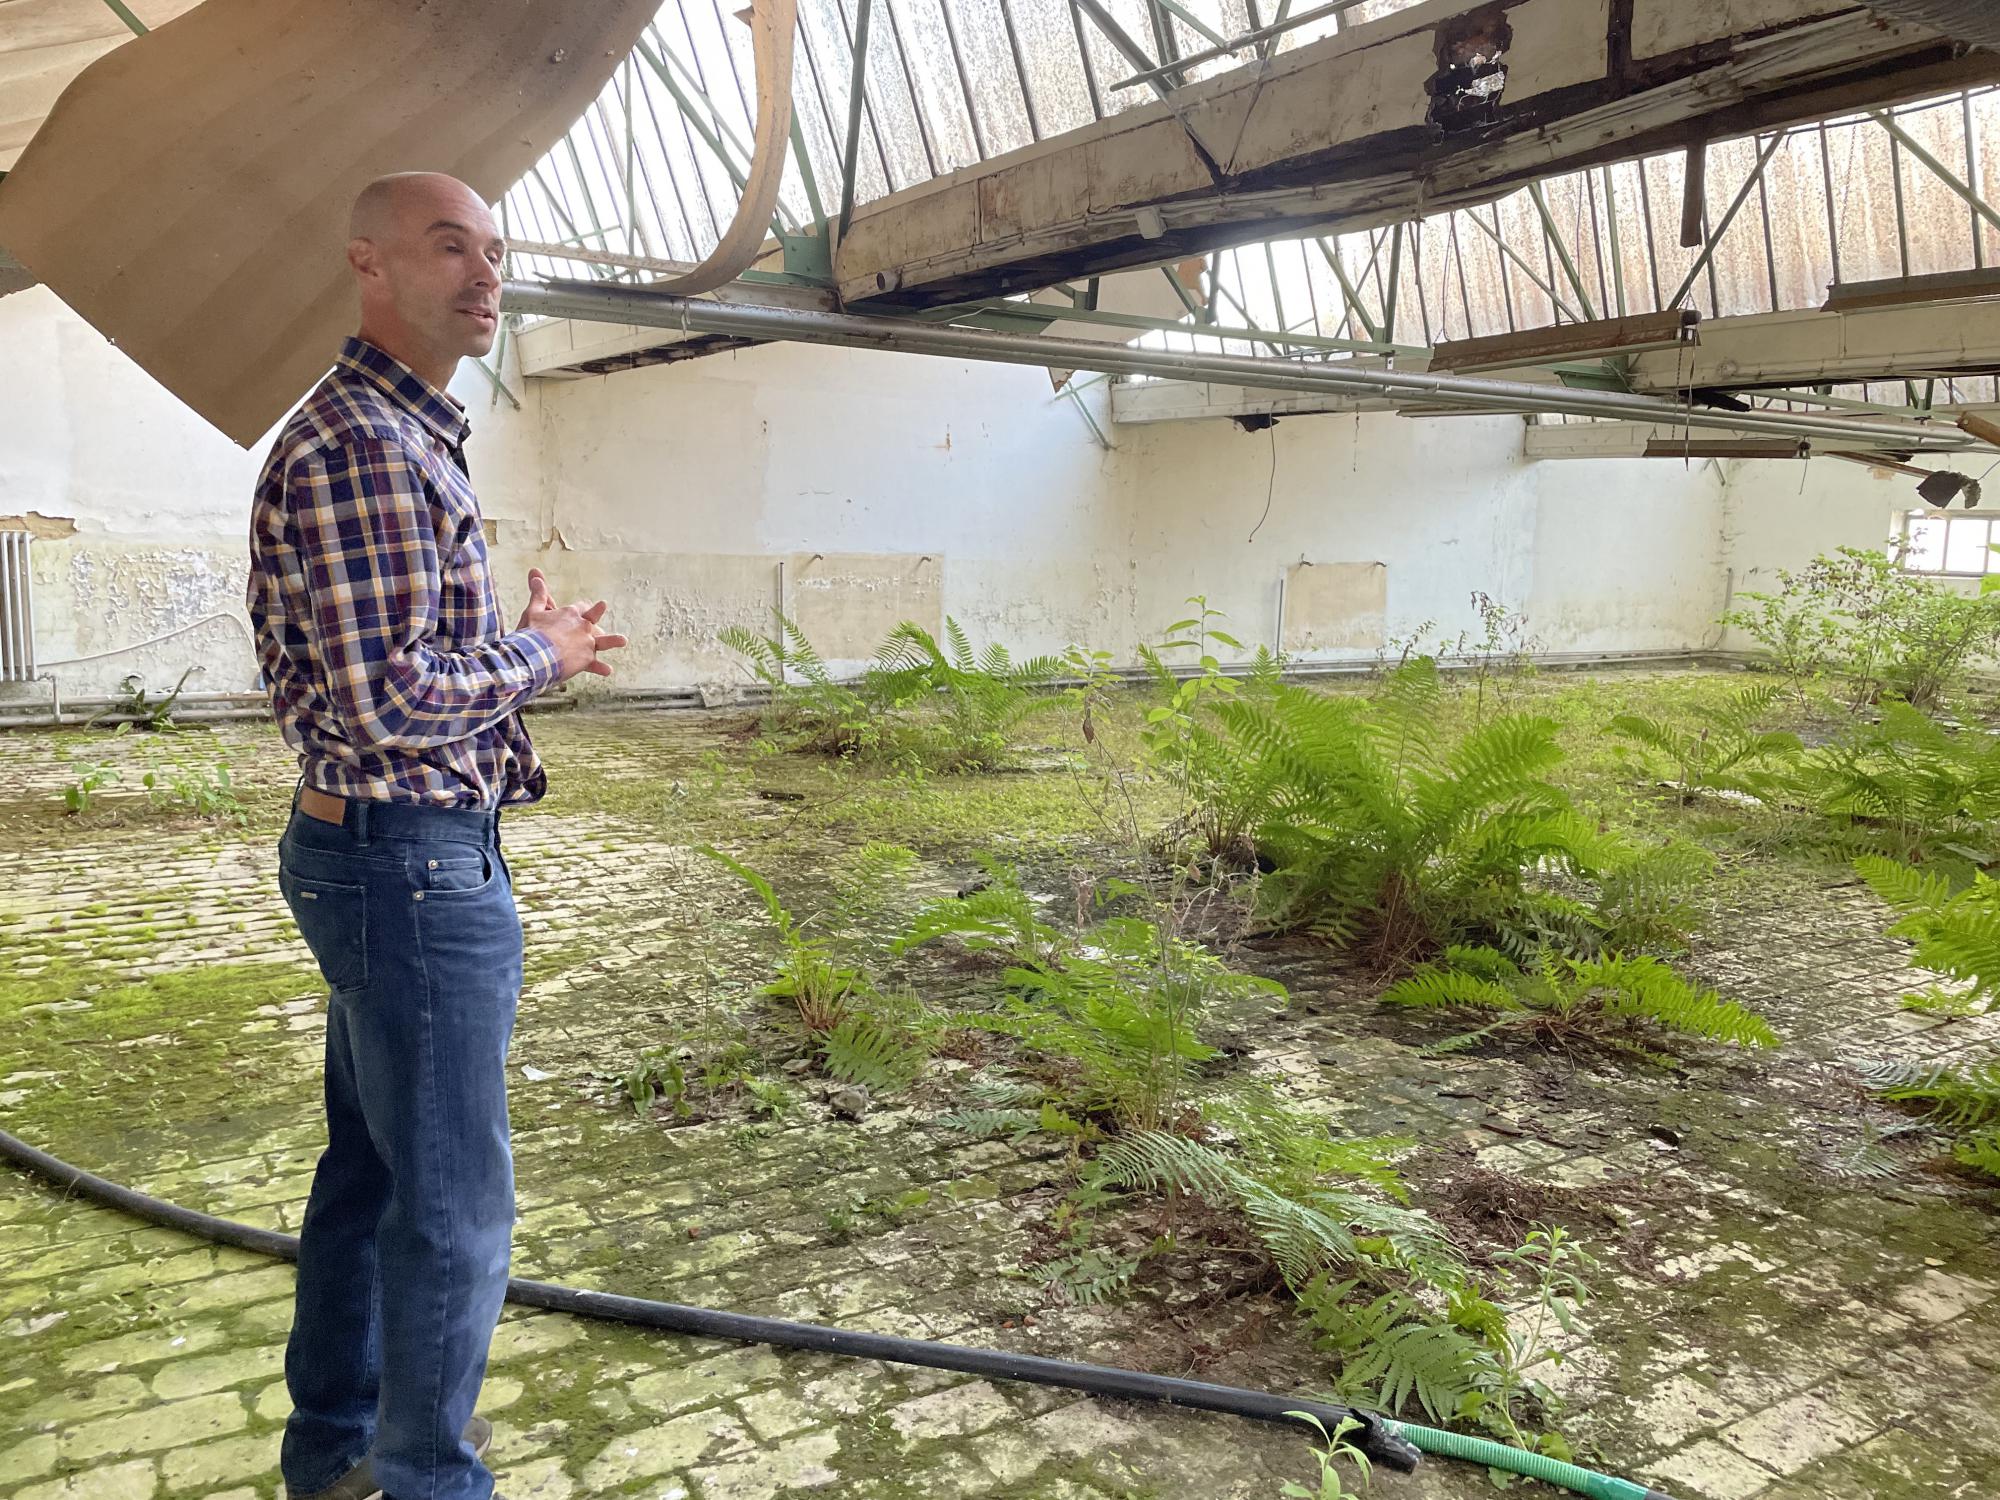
(988, 1124)
(956, 710)
(1964, 1099)
(1000, 917)
(1724, 750)
(1980, 1150)
(1954, 931)
(1390, 834)
(863, 1049)
(1122, 1007)
(1391, 1351)
(1307, 1227)
(807, 709)
(1908, 787)
(1597, 998)
(1086, 1277)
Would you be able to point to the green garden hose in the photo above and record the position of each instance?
(1521, 1461)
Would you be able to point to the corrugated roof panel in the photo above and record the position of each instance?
(989, 62)
(927, 45)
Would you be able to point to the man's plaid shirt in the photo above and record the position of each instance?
(379, 634)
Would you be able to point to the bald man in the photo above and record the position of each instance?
(392, 676)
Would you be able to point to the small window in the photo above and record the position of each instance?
(1951, 545)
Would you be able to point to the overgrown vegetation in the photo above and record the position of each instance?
(1725, 751)
(1111, 1059)
(1906, 786)
(1388, 834)
(1854, 623)
(1604, 1000)
(1956, 931)
(861, 1034)
(918, 704)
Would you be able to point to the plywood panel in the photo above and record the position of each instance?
(1336, 607)
(188, 193)
(848, 602)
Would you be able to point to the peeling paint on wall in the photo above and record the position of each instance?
(847, 603)
(42, 528)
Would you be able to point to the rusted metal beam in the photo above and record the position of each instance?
(1567, 341)
(1904, 291)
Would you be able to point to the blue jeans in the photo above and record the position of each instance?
(403, 1253)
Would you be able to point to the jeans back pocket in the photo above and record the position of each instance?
(333, 919)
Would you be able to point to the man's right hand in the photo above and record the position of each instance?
(571, 629)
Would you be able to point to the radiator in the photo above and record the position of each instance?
(17, 608)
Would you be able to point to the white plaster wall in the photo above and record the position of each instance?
(1049, 539)
(149, 506)
(1780, 515)
(674, 492)
(1599, 555)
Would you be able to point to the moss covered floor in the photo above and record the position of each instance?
(1794, 1302)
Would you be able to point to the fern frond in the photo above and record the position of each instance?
(1434, 988)
(985, 1124)
(1649, 990)
(862, 1050)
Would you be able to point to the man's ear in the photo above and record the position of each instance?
(363, 256)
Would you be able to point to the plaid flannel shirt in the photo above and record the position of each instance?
(376, 624)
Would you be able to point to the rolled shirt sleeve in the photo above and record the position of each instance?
(369, 535)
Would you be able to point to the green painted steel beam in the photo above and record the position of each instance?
(1512, 254)
(1943, 173)
(1347, 291)
(1562, 250)
(124, 13)
(857, 96)
(1139, 323)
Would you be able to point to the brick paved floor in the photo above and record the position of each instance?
(1772, 1321)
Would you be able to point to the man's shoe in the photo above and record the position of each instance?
(358, 1483)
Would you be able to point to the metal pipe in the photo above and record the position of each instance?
(602, 303)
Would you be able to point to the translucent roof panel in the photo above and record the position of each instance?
(949, 83)
(657, 166)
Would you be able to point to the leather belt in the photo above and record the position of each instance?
(328, 808)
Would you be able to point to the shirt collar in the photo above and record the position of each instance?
(436, 409)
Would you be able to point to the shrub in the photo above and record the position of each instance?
(1857, 616)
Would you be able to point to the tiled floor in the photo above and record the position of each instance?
(1772, 1321)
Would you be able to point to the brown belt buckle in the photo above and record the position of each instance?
(322, 805)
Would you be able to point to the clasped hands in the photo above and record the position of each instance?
(571, 628)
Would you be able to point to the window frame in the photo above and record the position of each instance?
(1905, 519)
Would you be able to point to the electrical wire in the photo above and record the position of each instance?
(1270, 483)
(71, 661)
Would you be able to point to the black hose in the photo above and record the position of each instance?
(1376, 1436)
